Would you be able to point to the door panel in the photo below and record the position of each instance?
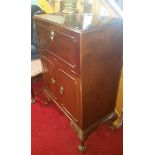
(49, 75)
(67, 87)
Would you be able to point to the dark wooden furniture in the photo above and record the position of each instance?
(81, 56)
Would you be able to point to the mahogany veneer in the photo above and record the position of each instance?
(81, 56)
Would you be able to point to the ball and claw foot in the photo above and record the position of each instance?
(82, 148)
(33, 101)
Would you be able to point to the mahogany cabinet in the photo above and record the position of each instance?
(81, 56)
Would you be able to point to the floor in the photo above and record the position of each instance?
(53, 135)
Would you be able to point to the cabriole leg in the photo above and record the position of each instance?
(32, 95)
(82, 148)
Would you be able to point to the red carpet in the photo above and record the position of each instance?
(52, 134)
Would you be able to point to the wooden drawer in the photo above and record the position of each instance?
(44, 38)
(60, 43)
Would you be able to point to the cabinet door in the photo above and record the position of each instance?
(49, 75)
(67, 86)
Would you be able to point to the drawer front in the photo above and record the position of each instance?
(44, 37)
(60, 43)
(68, 92)
(49, 75)
(65, 47)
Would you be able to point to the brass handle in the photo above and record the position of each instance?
(53, 81)
(52, 35)
(61, 90)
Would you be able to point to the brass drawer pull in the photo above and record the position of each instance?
(52, 35)
(53, 81)
(61, 90)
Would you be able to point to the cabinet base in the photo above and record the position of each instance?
(82, 134)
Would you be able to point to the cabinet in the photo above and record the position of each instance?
(81, 56)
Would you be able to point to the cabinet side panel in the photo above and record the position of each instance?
(102, 59)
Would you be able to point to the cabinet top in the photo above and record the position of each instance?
(78, 21)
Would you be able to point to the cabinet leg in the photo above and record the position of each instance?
(33, 100)
(117, 123)
(32, 96)
(82, 148)
(81, 136)
(46, 98)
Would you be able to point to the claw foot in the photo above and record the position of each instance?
(82, 148)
